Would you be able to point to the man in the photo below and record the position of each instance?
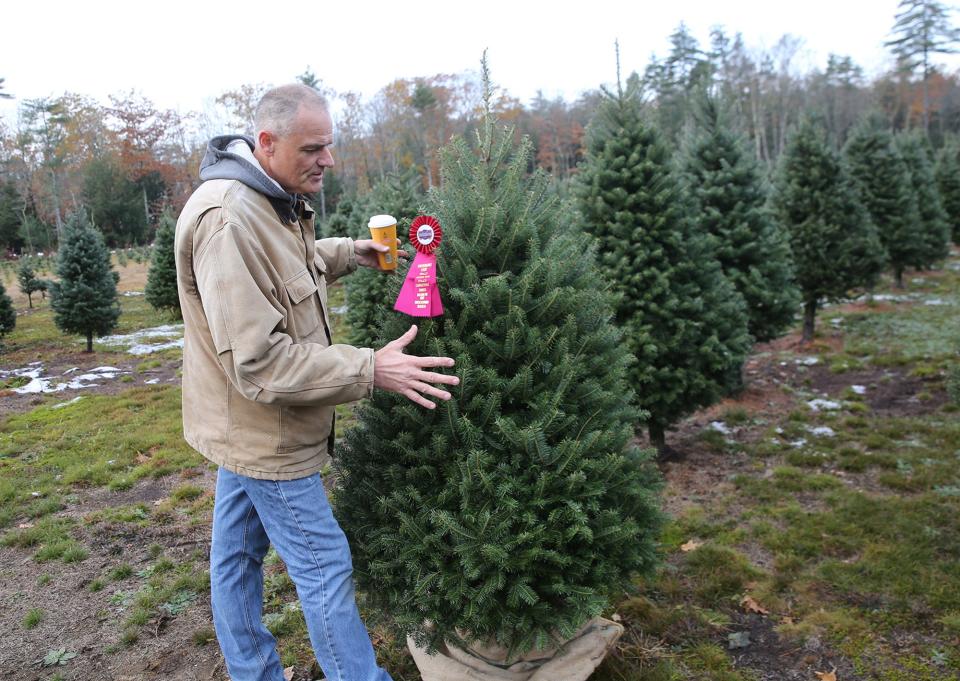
(261, 378)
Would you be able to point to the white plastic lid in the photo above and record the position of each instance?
(382, 221)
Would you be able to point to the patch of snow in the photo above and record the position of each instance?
(48, 384)
(340, 309)
(778, 430)
(146, 349)
(64, 404)
(892, 297)
(836, 321)
(720, 427)
(134, 342)
(70, 371)
(152, 381)
(935, 301)
(131, 294)
(826, 405)
(917, 280)
(822, 431)
(798, 443)
(859, 389)
(807, 361)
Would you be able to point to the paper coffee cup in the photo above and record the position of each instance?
(383, 230)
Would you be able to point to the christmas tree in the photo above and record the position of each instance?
(512, 511)
(683, 320)
(835, 244)
(161, 289)
(84, 301)
(932, 224)
(8, 316)
(947, 172)
(367, 290)
(883, 182)
(28, 281)
(726, 188)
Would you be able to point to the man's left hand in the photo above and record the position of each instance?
(367, 249)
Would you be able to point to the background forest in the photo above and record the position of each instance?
(126, 160)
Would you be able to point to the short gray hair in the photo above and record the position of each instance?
(278, 107)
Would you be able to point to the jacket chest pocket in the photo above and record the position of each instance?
(304, 305)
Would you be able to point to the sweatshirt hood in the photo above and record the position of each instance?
(230, 157)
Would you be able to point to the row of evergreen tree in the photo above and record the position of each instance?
(84, 295)
(514, 511)
(706, 255)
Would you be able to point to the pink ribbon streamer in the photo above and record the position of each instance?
(419, 296)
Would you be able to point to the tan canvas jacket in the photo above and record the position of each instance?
(260, 376)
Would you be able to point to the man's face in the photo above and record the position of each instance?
(297, 160)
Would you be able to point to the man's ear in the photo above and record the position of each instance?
(265, 141)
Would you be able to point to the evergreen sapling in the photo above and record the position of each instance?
(881, 177)
(683, 320)
(947, 172)
(84, 301)
(28, 281)
(161, 288)
(728, 197)
(932, 225)
(8, 316)
(835, 244)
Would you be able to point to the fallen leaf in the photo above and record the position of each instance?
(288, 674)
(787, 620)
(750, 605)
(25, 526)
(827, 676)
(142, 458)
(691, 545)
(616, 617)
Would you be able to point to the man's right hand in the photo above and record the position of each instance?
(404, 374)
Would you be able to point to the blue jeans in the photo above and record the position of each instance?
(294, 515)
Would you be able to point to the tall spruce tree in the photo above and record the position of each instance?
(883, 182)
(512, 511)
(835, 244)
(683, 320)
(947, 172)
(161, 289)
(932, 224)
(922, 28)
(84, 301)
(727, 192)
(8, 316)
(370, 292)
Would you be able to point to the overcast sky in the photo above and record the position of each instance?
(182, 54)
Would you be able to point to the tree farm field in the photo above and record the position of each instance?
(814, 519)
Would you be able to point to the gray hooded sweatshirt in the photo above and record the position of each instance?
(230, 157)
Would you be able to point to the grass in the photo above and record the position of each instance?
(33, 618)
(852, 541)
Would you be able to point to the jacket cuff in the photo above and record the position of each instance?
(372, 365)
(351, 256)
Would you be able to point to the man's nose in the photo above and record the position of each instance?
(326, 159)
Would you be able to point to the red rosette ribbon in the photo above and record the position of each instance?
(419, 295)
